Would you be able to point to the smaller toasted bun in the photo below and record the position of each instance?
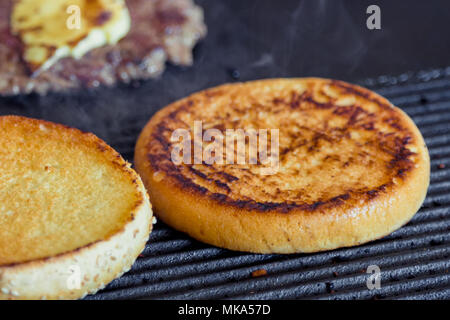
(73, 214)
(352, 167)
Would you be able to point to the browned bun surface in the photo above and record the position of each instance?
(352, 167)
(73, 214)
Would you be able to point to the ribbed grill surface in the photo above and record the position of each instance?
(414, 260)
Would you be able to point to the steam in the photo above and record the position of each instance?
(330, 35)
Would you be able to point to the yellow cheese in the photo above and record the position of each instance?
(53, 29)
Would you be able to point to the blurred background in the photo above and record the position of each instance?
(255, 39)
(264, 38)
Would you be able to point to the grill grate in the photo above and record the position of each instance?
(414, 260)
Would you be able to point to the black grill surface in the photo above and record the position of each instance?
(414, 260)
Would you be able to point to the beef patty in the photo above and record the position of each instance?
(160, 31)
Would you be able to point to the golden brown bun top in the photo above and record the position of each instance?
(60, 190)
(340, 144)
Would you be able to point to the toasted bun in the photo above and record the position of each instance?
(73, 214)
(352, 167)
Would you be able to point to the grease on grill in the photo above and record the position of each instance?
(259, 273)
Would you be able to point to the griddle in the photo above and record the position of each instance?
(414, 260)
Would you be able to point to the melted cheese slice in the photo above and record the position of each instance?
(54, 29)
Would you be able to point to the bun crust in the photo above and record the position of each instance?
(353, 168)
(73, 214)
